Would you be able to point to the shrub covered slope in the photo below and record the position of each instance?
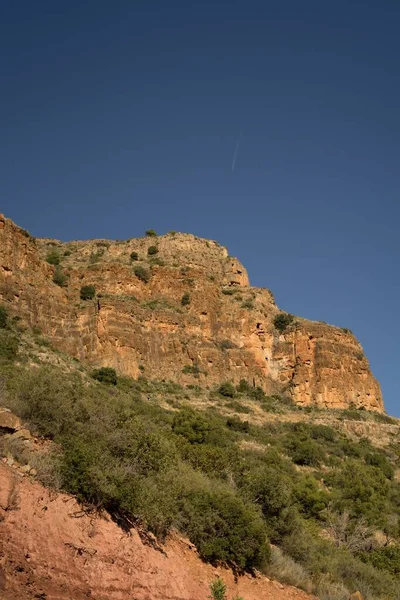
(148, 453)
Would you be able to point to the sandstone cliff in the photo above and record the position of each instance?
(224, 332)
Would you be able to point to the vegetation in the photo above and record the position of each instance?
(191, 370)
(87, 292)
(150, 233)
(3, 317)
(53, 258)
(185, 300)
(227, 389)
(282, 321)
(228, 484)
(60, 278)
(152, 250)
(142, 273)
(105, 375)
(134, 256)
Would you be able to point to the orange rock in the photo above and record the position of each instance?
(226, 330)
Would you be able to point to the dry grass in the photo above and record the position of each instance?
(283, 568)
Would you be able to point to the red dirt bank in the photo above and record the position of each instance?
(49, 551)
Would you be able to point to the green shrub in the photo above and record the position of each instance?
(310, 498)
(3, 317)
(9, 344)
(87, 292)
(243, 387)
(134, 256)
(150, 233)
(272, 491)
(142, 273)
(185, 300)
(191, 425)
(105, 375)
(282, 321)
(238, 425)
(59, 278)
(247, 304)
(346, 330)
(379, 460)
(227, 389)
(224, 528)
(226, 345)
(53, 258)
(191, 370)
(385, 559)
(304, 451)
(218, 589)
(152, 250)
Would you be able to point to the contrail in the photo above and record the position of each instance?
(235, 155)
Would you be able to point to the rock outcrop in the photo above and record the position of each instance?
(224, 330)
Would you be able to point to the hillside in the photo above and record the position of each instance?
(177, 307)
(269, 494)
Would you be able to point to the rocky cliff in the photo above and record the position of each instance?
(177, 307)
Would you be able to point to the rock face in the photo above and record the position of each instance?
(222, 330)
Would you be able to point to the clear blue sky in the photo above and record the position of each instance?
(122, 116)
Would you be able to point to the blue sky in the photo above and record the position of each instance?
(121, 116)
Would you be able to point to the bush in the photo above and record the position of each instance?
(9, 344)
(224, 528)
(134, 256)
(282, 321)
(152, 250)
(53, 258)
(227, 389)
(105, 375)
(243, 387)
(150, 233)
(238, 425)
(3, 317)
(192, 426)
(185, 300)
(386, 559)
(304, 451)
(247, 304)
(59, 278)
(87, 292)
(191, 370)
(218, 589)
(142, 274)
(376, 459)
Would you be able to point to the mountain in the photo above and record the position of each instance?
(177, 307)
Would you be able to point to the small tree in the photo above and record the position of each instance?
(88, 292)
(134, 256)
(152, 250)
(185, 299)
(142, 273)
(53, 258)
(3, 317)
(150, 233)
(105, 375)
(282, 321)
